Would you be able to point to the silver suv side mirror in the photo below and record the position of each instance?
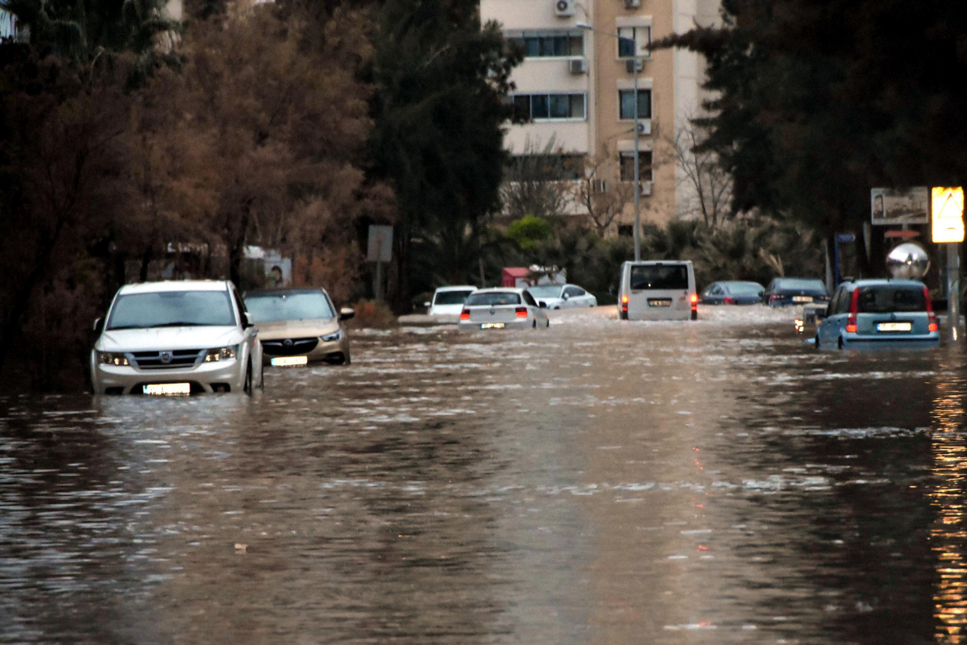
(346, 313)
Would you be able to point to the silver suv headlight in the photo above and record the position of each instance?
(113, 358)
(336, 335)
(221, 354)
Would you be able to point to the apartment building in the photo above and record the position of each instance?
(577, 82)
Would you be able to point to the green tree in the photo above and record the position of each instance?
(441, 84)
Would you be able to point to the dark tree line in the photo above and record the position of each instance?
(817, 102)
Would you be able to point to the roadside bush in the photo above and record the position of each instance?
(373, 314)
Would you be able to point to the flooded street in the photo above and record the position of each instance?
(595, 483)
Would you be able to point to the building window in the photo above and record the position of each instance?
(644, 166)
(626, 98)
(555, 44)
(626, 230)
(542, 107)
(546, 167)
(633, 41)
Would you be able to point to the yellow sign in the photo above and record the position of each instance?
(947, 210)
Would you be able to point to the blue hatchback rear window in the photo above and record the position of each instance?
(888, 299)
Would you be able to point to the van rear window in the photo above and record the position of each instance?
(887, 299)
(665, 276)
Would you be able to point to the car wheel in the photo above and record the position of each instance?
(262, 378)
(840, 343)
(694, 315)
(349, 359)
(547, 323)
(817, 341)
(535, 323)
(247, 386)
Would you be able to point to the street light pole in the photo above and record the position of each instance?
(637, 179)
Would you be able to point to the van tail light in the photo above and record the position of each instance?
(464, 315)
(932, 325)
(694, 300)
(854, 307)
(624, 303)
(522, 312)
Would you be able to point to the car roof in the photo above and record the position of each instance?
(462, 287)
(174, 285)
(882, 282)
(281, 292)
(501, 290)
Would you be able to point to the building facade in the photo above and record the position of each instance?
(576, 87)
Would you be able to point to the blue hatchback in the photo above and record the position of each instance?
(879, 313)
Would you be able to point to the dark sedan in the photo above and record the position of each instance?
(795, 291)
(732, 293)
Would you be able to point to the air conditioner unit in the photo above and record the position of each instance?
(645, 188)
(632, 4)
(578, 66)
(599, 186)
(632, 63)
(644, 127)
(564, 8)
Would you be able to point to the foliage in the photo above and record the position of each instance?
(817, 102)
(529, 231)
(439, 107)
(603, 199)
(374, 314)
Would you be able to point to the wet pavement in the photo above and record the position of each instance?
(597, 482)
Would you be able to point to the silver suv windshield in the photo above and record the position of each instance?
(279, 307)
(171, 309)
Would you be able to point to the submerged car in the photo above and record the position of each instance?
(732, 293)
(502, 309)
(299, 326)
(795, 291)
(562, 296)
(176, 338)
(448, 301)
(879, 313)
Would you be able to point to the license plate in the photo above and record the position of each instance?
(492, 326)
(894, 326)
(289, 361)
(802, 298)
(663, 302)
(168, 389)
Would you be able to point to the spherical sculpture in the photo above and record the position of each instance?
(909, 261)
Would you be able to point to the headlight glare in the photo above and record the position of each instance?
(113, 358)
(221, 354)
(328, 338)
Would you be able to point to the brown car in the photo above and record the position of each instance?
(299, 326)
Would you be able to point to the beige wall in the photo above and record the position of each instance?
(674, 77)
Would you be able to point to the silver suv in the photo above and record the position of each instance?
(171, 338)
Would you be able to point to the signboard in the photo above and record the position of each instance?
(948, 215)
(380, 246)
(892, 207)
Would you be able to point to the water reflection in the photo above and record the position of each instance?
(949, 535)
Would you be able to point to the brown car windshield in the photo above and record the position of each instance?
(280, 307)
(888, 299)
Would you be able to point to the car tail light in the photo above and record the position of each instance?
(854, 306)
(729, 300)
(932, 326)
(464, 315)
(624, 303)
(522, 312)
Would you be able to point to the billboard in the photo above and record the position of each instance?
(948, 215)
(892, 207)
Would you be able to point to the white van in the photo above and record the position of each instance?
(662, 290)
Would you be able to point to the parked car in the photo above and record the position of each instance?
(176, 338)
(879, 313)
(448, 301)
(502, 308)
(732, 293)
(795, 291)
(656, 290)
(562, 296)
(299, 326)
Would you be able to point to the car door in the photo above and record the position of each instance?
(252, 345)
(830, 328)
(577, 297)
(714, 294)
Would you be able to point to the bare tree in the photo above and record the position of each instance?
(708, 184)
(535, 182)
(602, 198)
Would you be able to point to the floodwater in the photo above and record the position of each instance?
(600, 482)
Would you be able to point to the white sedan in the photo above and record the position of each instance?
(502, 308)
(563, 296)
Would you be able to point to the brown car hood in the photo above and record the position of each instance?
(296, 328)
